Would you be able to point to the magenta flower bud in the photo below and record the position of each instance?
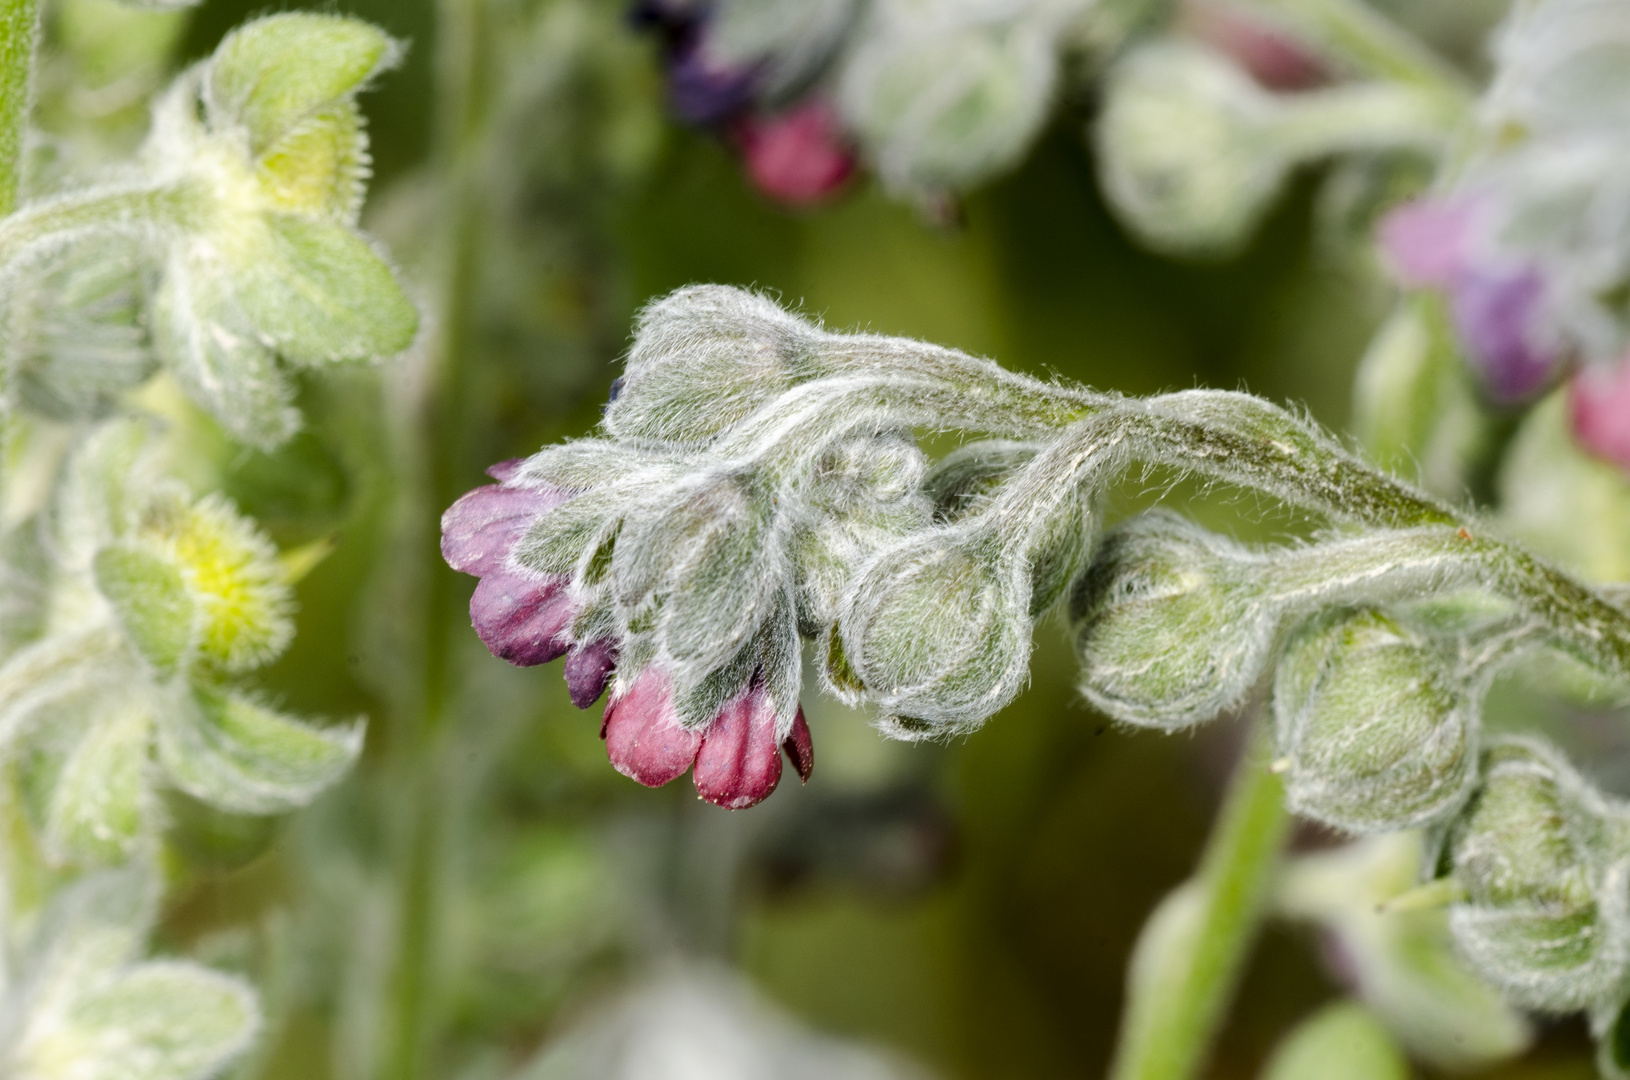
(1599, 409)
(643, 737)
(800, 747)
(798, 157)
(588, 670)
(522, 619)
(478, 531)
(504, 471)
(1429, 242)
(739, 762)
(1274, 57)
(1500, 318)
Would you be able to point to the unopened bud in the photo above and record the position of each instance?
(1546, 916)
(1379, 730)
(704, 358)
(1168, 628)
(937, 629)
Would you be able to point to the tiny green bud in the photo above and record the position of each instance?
(1168, 627)
(937, 630)
(1378, 729)
(1546, 916)
(1343, 1041)
(942, 104)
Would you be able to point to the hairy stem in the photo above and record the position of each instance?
(41, 227)
(19, 34)
(1191, 954)
(1363, 38)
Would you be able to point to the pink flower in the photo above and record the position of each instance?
(1500, 306)
(737, 756)
(1599, 408)
(796, 157)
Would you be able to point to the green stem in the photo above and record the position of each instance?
(1362, 116)
(1192, 952)
(435, 474)
(19, 35)
(1356, 33)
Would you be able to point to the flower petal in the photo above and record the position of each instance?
(1428, 242)
(739, 763)
(504, 471)
(798, 157)
(800, 747)
(521, 619)
(478, 530)
(588, 669)
(642, 732)
(1500, 317)
(1599, 408)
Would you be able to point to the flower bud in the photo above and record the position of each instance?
(1183, 151)
(1168, 629)
(1599, 411)
(936, 629)
(1545, 916)
(1379, 730)
(941, 104)
(705, 357)
(798, 157)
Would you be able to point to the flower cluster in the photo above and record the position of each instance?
(935, 98)
(1525, 234)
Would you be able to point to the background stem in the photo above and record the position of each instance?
(1191, 954)
(19, 33)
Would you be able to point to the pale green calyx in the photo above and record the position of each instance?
(244, 199)
(1191, 152)
(1377, 724)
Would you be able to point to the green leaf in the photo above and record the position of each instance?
(317, 291)
(97, 497)
(100, 806)
(1339, 1042)
(238, 755)
(166, 1020)
(217, 358)
(151, 601)
(270, 75)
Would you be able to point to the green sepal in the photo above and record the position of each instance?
(217, 358)
(318, 292)
(100, 807)
(1342, 1041)
(319, 168)
(239, 755)
(273, 74)
(151, 601)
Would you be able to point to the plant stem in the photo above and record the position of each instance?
(417, 794)
(19, 34)
(1191, 954)
(1364, 38)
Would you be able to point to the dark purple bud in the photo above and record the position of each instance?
(739, 763)
(800, 747)
(588, 670)
(702, 90)
(1599, 408)
(642, 732)
(1500, 317)
(520, 619)
(478, 530)
(1429, 242)
(505, 471)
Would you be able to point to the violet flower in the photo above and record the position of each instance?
(1500, 306)
(703, 90)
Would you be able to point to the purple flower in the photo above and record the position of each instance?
(702, 89)
(737, 756)
(1500, 306)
